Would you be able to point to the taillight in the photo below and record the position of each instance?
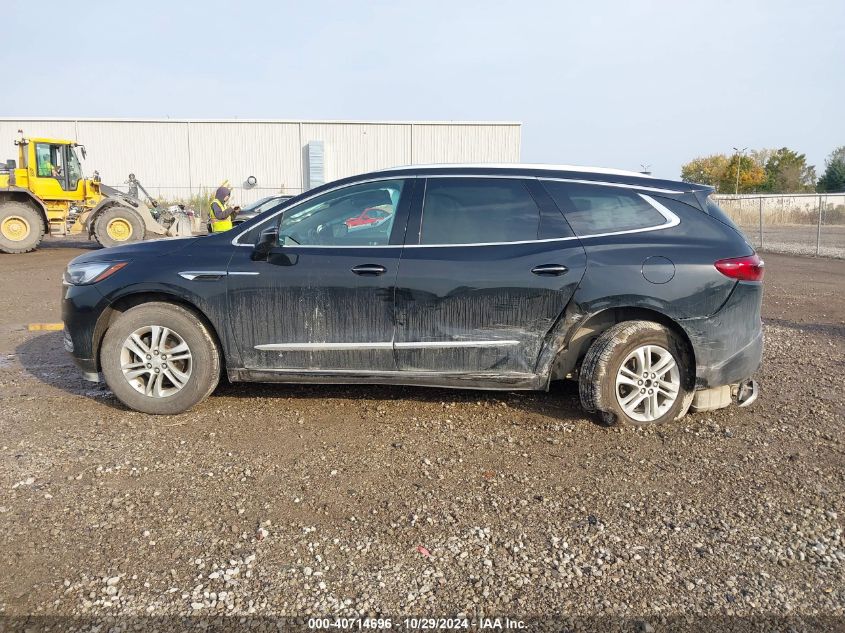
(748, 268)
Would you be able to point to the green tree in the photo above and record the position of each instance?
(707, 170)
(788, 172)
(752, 176)
(833, 178)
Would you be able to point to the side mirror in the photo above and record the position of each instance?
(267, 239)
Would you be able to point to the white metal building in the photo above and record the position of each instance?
(177, 158)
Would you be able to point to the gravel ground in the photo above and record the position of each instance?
(377, 501)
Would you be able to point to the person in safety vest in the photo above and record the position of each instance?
(221, 214)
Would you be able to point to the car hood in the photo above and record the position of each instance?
(138, 250)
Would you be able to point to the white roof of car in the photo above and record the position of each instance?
(538, 166)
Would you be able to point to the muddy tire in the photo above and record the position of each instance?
(160, 358)
(21, 227)
(118, 225)
(638, 373)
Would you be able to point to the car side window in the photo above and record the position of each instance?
(357, 215)
(596, 209)
(478, 211)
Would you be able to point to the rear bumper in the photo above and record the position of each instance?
(733, 369)
(728, 345)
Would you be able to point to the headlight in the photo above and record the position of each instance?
(90, 272)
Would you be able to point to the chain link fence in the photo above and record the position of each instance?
(798, 224)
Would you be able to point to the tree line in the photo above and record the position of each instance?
(767, 171)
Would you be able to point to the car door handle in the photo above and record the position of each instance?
(369, 269)
(550, 269)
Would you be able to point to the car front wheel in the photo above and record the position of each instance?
(637, 372)
(159, 358)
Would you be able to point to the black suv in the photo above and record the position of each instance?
(481, 277)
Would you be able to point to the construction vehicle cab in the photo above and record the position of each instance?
(44, 191)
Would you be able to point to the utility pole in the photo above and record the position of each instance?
(739, 155)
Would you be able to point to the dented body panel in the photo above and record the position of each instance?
(480, 308)
(728, 344)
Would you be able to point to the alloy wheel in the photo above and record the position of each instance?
(156, 361)
(648, 383)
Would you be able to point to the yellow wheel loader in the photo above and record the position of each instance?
(45, 192)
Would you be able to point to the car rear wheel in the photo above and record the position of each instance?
(160, 358)
(637, 372)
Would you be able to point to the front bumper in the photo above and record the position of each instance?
(82, 307)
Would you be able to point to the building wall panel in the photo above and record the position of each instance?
(356, 148)
(175, 159)
(235, 151)
(155, 152)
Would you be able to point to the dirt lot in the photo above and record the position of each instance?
(279, 501)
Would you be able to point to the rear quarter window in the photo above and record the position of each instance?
(596, 209)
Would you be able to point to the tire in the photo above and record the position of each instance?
(21, 227)
(602, 368)
(202, 370)
(118, 225)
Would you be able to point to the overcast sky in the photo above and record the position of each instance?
(614, 84)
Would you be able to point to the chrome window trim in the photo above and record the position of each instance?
(348, 184)
(295, 246)
(671, 218)
(550, 239)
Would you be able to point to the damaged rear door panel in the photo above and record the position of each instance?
(487, 269)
